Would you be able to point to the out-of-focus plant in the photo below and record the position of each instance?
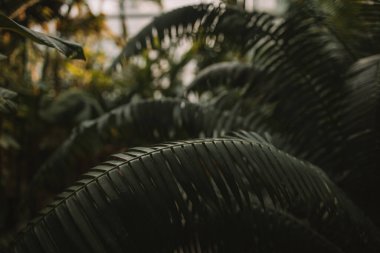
(44, 95)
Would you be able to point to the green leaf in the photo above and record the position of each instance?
(70, 49)
(212, 195)
(147, 122)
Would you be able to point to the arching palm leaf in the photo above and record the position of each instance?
(214, 23)
(302, 64)
(173, 23)
(310, 76)
(142, 122)
(213, 195)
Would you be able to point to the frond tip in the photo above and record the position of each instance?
(70, 49)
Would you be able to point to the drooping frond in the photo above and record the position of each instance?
(212, 23)
(302, 77)
(178, 22)
(299, 62)
(211, 195)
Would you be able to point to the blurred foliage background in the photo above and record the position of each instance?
(53, 95)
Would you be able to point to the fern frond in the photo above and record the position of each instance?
(212, 195)
(144, 122)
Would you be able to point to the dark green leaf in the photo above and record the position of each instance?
(299, 64)
(211, 195)
(69, 49)
(140, 122)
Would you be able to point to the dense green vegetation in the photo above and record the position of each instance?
(272, 147)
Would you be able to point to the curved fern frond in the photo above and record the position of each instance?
(212, 195)
(302, 77)
(178, 22)
(206, 21)
(310, 77)
(144, 122)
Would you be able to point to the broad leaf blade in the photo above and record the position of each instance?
(70, 49)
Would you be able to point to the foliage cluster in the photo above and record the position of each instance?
(284, 109)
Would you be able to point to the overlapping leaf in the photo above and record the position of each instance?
(300, 63)
(129, 125)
